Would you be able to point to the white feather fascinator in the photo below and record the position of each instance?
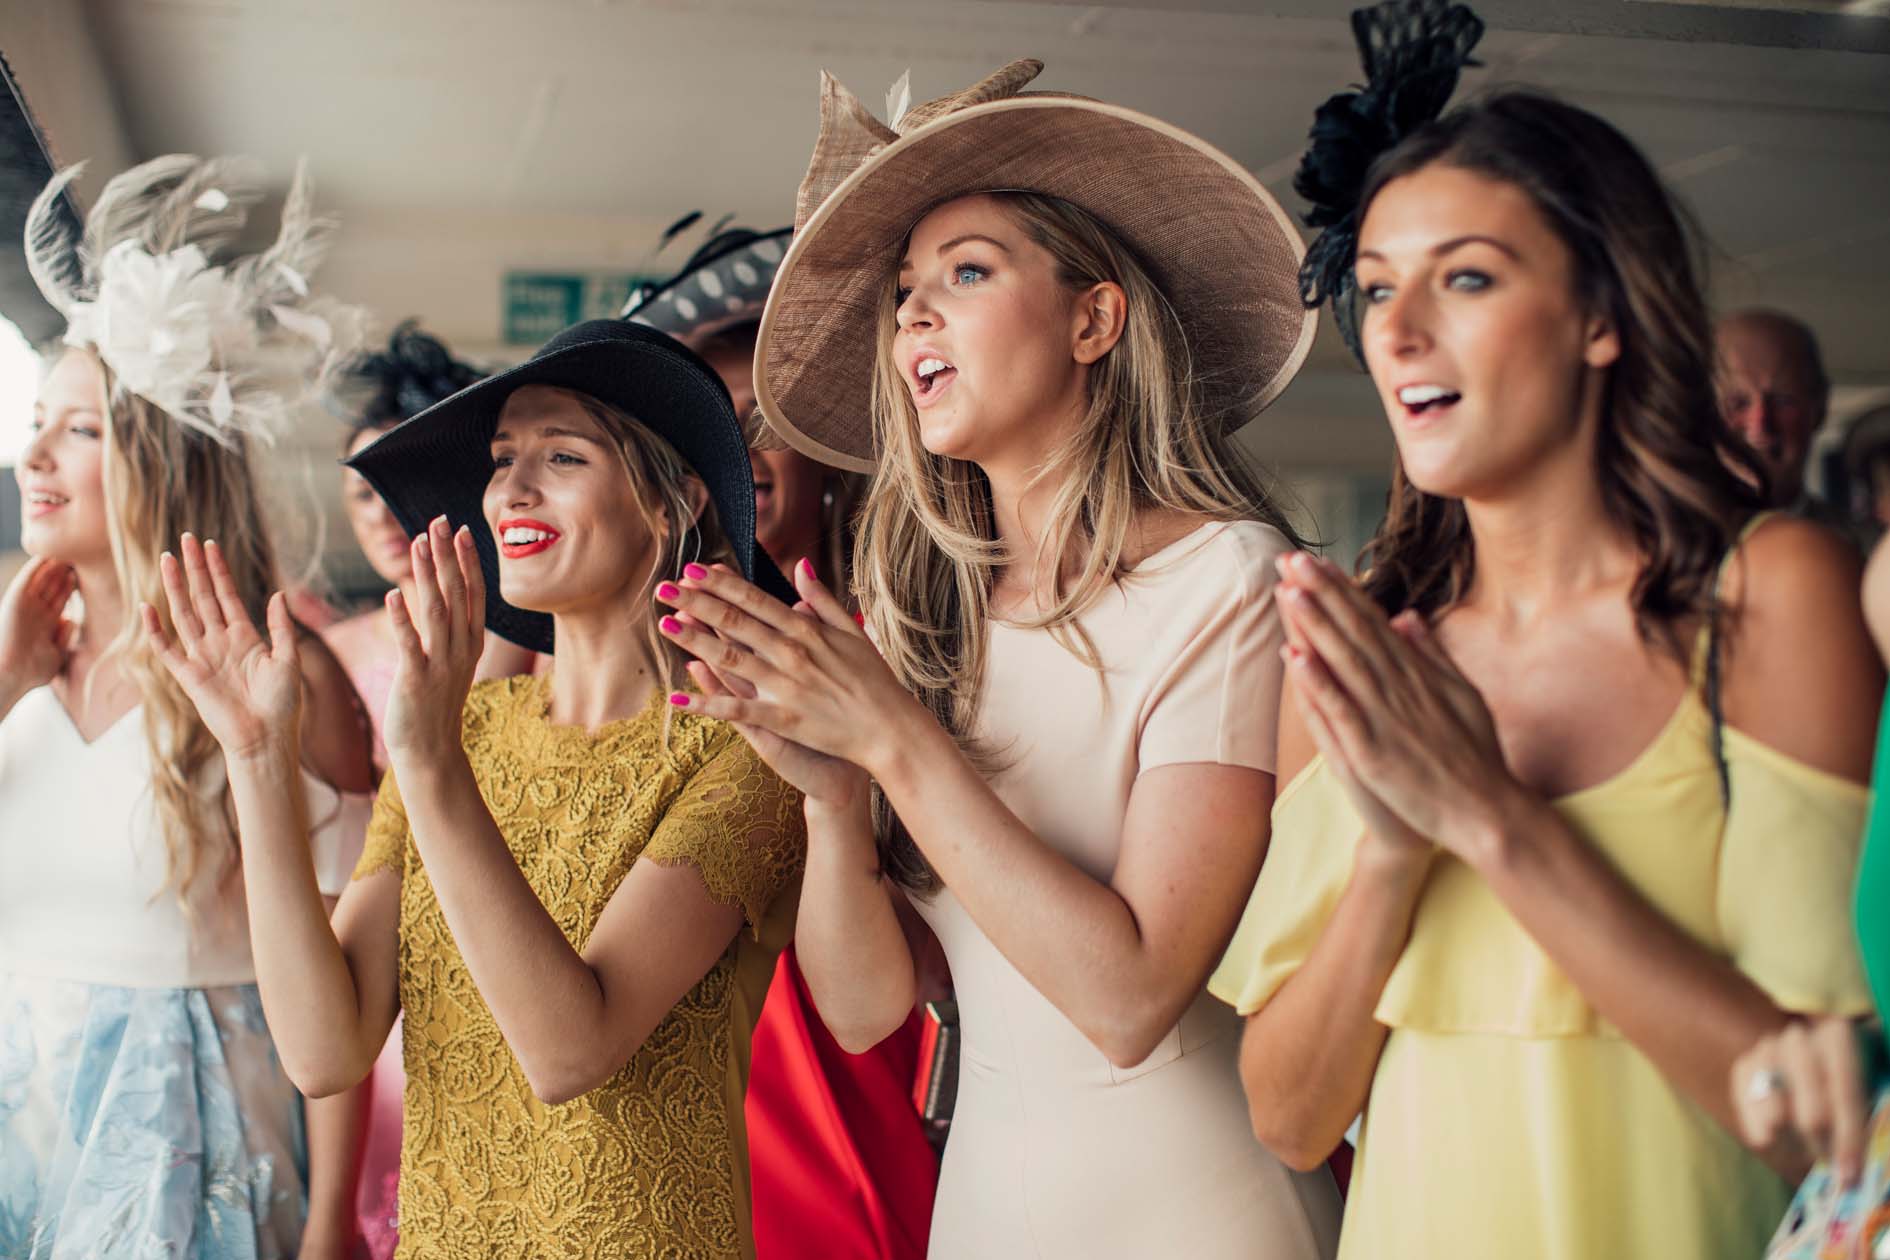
(225, 344)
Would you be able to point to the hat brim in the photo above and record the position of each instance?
(440, 461)
(1221, 248)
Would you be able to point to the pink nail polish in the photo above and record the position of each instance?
(694, 572)
(678, 699)
(667, 590)
(670, 625)
(807, 566)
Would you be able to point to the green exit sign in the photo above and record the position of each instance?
(540, 304)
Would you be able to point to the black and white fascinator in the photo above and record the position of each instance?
(1412, 52)
(724, 283)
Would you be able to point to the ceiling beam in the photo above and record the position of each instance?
(1861, 26)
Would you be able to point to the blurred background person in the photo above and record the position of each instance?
(1774, 392)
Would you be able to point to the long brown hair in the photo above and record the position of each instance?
(1670, 469)
(928, 551)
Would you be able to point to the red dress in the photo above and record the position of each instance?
(838, 1159)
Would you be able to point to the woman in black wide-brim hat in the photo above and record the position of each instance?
(570, 889)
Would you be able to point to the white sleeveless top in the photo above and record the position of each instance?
(83, 864)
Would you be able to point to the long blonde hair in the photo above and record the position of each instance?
(160, 480)
(660, 480)
(928, 554)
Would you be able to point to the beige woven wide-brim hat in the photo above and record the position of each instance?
(1219, 245)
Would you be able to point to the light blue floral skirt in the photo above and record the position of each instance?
(142, 1123)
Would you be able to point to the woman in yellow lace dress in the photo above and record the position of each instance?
(573, 892)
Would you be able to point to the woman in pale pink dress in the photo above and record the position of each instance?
(413, 373)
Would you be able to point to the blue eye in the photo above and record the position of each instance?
(565, 457)
(1374, 293)
(1468, 281)
(971, 270)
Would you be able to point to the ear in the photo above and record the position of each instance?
(1097, 319)
(698, 496)
(1601, 342)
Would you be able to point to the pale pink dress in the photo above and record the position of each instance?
(1054, 1152)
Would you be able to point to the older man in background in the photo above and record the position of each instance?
(1773, 390)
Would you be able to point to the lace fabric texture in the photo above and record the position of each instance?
(654, 1161)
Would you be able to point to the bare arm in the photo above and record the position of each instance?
(1121, 959)
(1309, 1053)
(1424, 741)
(1801, 677)
(573, 1019)
(848, 935)
(328, 991)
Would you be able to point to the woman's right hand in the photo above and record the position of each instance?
(829, 781)
(35, 634)
(1389, 842)
(247, 690)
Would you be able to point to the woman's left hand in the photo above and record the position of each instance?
(1804, 1085)
(1413, 726)
(815, 680)
(439, 642)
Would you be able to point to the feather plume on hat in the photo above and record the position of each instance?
(226, 346)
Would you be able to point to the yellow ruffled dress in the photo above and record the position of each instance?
(1507, 1119)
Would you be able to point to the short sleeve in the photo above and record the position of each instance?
(387, 833)
(739, 825)
(1787, 863)
(1315, 835)
(1218, 698)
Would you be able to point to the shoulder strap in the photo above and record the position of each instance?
(1706, 661)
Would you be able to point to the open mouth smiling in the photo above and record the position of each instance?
(523, 537)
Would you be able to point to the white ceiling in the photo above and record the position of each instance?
(512, 118)
(458, 138)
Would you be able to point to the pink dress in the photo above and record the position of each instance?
(376, 1202)
(1055, 1151)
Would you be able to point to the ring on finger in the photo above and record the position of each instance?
(1764, 1083)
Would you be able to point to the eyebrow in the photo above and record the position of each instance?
(956, 241)
(551, 431)
(1452, 245)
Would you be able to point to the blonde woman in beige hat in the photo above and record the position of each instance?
(1037, 319)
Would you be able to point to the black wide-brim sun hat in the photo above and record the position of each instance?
(440, 461)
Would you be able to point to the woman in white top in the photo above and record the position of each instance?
(142, 1107)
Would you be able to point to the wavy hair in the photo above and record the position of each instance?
(162, 478)
(1670, 469)
(928, 553)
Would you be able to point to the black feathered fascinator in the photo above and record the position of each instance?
(411, 374)
(1412, 52)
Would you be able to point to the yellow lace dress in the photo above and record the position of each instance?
(653, 1163)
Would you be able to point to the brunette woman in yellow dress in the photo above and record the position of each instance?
(1563, 836)
(570, 890)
